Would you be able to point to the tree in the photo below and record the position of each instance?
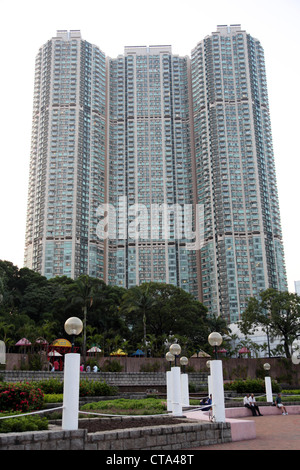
(276, 312)
(5, 331)
(217, 323)
(150, 313)
(166, 310)
(138, 300)
(47, 330)
(85, 292)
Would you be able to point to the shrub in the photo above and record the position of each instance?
(20, 396)
(91, 388)
(112, 366)
(103, 389)
(23, 423)
(88, 388)
(128, 406)
(152, 367)
(51, 386)
(53, 398)
(250, 386)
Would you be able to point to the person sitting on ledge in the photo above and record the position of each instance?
(254, 405)
(280, 406)
(207, 402)
(248, 405)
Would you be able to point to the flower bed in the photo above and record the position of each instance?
(22, 397)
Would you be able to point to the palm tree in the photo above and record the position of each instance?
(47, 330)
(87, 292)
(217, 323)
(5, 330)
(139, 300)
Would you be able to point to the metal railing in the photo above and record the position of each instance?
(32, 413)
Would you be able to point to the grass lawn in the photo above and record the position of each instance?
(122, 406)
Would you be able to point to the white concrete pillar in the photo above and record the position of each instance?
(218, 408)
(169, 390)
(176, 392)
(71, 392)
(268, 385)
(209, 385)
(185, 390)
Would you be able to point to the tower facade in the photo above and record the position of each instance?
(67, 163)
(236, 183)
(150, 168)
(156, 167)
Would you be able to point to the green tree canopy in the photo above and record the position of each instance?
(278, 313)
(152, 313)
(167, 311)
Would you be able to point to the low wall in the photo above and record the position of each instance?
(283, 370)
(142, 380)
(240, 429)
(164, 437)
(242, 412)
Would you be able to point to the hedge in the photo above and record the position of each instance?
(23, 423)
(87, 388)
(250, 386)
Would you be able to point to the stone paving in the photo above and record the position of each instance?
(272, 433)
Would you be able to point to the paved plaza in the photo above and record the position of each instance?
(275, 432)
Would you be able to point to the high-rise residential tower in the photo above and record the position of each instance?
(129, 153)
(150, 168)
(243, 249)
(67, 164)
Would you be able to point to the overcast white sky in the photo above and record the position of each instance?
(27, 24)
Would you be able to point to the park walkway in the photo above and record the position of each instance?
(273, 432)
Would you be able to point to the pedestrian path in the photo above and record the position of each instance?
(275, 432)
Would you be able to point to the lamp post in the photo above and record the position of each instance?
(73, 327)
(170, 358)
(184, 382)
(215, 340)
(268, 383)
(175, 349)
(217, 385)
(209, 379)
(183, 362)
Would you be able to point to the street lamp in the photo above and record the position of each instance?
(215, 340)
(175, 349)
(175, 381)
(209, 379)
(268, 383)
(73, 327)
(183, 362)
(217, 385)
(170, 357)
(184, 382)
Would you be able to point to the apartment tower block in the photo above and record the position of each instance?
(151, 138)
